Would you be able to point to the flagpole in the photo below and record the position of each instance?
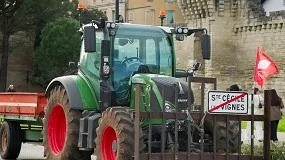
(252, 106)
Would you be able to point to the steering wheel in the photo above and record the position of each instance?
(132, 63)
(131, 59)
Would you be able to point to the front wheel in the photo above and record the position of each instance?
(221, 135)
(116, 135)
(61, 128)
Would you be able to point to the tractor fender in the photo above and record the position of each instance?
(79, 93)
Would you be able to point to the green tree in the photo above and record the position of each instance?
(87, 15)
(27, 15)
(60, 44)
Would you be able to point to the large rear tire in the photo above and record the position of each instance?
(115, 135)
(10, 136)
(61, 128)
(221, 135)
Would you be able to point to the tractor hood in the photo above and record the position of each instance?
(158, 85)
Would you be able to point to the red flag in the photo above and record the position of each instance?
(264, 67)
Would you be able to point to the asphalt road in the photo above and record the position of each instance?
(33, 151)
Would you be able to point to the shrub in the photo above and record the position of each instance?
(277, 150)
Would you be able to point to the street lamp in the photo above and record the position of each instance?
(117, 11)
(118, 16)
(161, 16)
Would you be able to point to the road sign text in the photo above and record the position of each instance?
(227, 102)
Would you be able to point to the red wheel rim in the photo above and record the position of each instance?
(56, 129)
(109, 144)
(4, 140)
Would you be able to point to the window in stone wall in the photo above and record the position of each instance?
(113, 15)
(150, 16)
(149, 0)
(170, 1)
(170, 16)
(131, 17)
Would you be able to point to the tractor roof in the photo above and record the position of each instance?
(165, 28)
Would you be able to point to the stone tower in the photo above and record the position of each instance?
(237, 28)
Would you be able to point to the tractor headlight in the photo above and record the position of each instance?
(112, 32)
(179, 37)
(179, 30)
(108, 24)
(169, 107)
(185, 30)
(113, 25)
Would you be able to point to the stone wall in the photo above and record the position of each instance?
(237, 28)
(21, 62)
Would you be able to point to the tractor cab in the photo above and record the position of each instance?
(139, 49)
(112, 53)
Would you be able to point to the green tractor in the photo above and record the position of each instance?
(93, 109)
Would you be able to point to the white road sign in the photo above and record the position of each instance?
(228, 102)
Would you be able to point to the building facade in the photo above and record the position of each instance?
(148, 12)
(142, 11)
(107, 7)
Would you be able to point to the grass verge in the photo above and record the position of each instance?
(281, 125)
(277, 150)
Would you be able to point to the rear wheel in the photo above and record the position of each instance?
(115, 135)
(61, 128)
(10, 134)
(221, 135)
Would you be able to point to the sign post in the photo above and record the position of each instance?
(228, 102)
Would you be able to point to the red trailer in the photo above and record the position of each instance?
(21, 116)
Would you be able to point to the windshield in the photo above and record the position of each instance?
(137, 47)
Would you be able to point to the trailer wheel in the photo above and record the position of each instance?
(61, 128)
(10, 134)
(221, 136)
(115, 135)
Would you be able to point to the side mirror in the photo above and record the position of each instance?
(206, 46)
(89, 39)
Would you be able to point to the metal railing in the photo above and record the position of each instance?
(197, 116)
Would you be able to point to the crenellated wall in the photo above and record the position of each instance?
(237, 28)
